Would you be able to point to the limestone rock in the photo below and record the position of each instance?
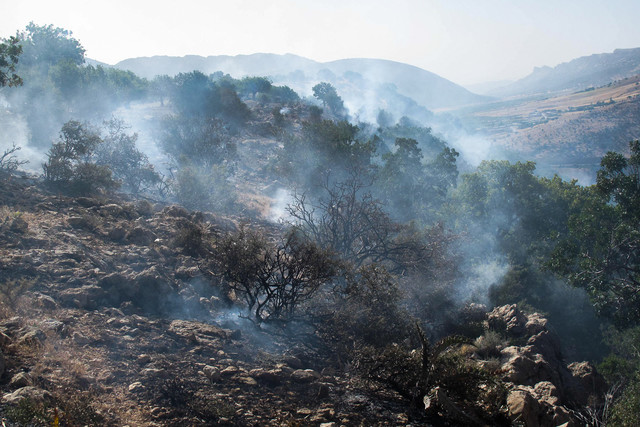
(136, 387)
(588, 384)
(305, 375)
(141, 236)
(507, 318)
(523, 408)
(212, 373)
(19, 380)
(197, 331)
(34, 394)
(86, 297)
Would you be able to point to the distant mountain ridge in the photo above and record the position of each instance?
(425, 88)
(580, 73)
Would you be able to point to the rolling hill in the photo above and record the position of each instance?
(372, 76)
(581, 73)
(567, 133)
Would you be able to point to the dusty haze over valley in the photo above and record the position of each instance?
(251, 213)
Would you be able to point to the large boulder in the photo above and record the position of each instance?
(537, 406)
(34, 394)
(149, 290)
(542, 385)
(86, 297)
(507, 319)
(587, 385)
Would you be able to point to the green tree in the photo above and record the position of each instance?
(70, 165)
(326, 93)
(602, 251)
(46, 45)
(129, 165)
(250, 86)
(10, 50)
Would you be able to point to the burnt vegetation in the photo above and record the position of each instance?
(378, 277)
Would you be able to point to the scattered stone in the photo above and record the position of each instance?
(87, 202)
(79, 339)
(154, 372)
(293, 362)
(141, 236)
(36, 395)
(229, 371)
(117, 234)
(323, 390)
(197, 330)
(212, 373)
(86, 297)
(272, 377)
(305, 375)
(80, 222)
(19, 225)
(32, 337)
(144, 208)
(247, 380)
(19, 380)
(175, 211)
(144, 359)
(44, 301)
(111, 210)
(4, 339)
(136, 387)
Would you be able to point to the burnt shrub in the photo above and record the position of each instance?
(191, 238)
(437, 377)
(365, 311)
(273, 277)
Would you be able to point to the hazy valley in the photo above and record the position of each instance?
(268, 240)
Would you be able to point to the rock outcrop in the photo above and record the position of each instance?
(543, 389)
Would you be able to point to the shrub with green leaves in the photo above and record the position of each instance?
(70, 165)
(130, 167)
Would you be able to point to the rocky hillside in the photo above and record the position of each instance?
(581, 73)
(110, 317)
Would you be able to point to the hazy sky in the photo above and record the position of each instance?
(466, 41)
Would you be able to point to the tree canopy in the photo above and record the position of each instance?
(10, 50)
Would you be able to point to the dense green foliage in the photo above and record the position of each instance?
(10, 50)
(83, 162)
(600, 254)
(328, 94)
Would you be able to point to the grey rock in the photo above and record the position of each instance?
(34, 394)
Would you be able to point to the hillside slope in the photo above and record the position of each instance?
(117, 324)
(580, 73)
(567, 133)
(426, 88)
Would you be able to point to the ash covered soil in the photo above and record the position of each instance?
(112, 322)
(118, 327)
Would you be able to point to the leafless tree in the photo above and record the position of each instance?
(350, 222)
